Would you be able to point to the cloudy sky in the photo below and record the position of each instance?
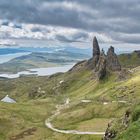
(71, 21)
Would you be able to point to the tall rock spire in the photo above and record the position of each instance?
(96, 48)
(96, 52)
(102, 63)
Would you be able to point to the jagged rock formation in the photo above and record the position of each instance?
(101, 66)
(95, 55)
(96, 52)
(102, 63)
(112, 60)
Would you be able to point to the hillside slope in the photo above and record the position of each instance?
(100, 97)
(107, 101)
(130, 60)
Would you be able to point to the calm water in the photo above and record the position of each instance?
(35, 71)
(39, 71)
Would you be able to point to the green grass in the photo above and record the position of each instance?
(15, 118)
(132, 132)
(129, 60)
(31, 111)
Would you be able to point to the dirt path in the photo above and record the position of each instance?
(57, 112)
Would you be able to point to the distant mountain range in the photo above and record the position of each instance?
(42, 59)
(4, 51)
(54, 56)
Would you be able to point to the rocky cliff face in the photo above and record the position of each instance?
(102, 63)
(112, 60)
(101, 66)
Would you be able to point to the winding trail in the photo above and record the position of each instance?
(57, 112)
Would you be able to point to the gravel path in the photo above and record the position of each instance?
(57, 112)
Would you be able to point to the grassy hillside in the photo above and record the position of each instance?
(37, 97)
(132, 132)
(132, 129)
(37, 60)
(130, 60)
(15, 119)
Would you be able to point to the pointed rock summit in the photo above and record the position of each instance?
(96, 52)
(96, 48)
(112, 60)
(103, 63)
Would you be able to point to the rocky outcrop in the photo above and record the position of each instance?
(126, 119)
(109, 135)
(96, 52)
(102, 63)
(101, 66)
(123, 75)
(112, 60)
(111, 131)
(137, 52)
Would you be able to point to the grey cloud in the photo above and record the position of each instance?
(104, 16)
(38, 29)
(128, 38)
(5, 23)
(76, 37)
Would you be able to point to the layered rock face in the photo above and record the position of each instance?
(102, 63)
(112, 60)
(101, 66)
